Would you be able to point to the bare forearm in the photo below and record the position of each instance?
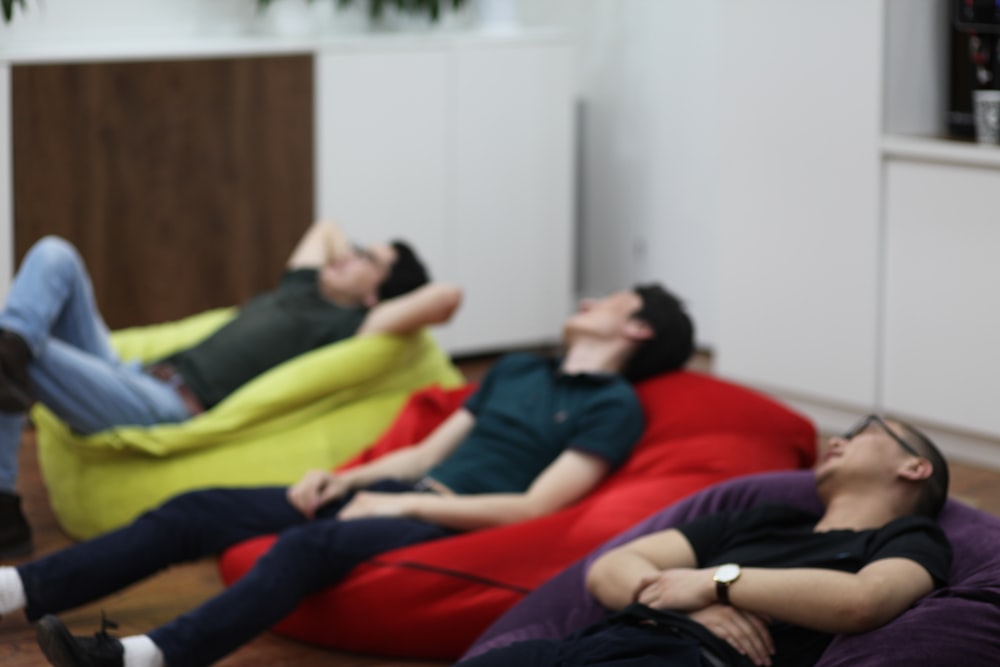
(412, 463)
(473, 512)
(425, 306)
(567, 479)
(824, 600)
(321, 243)
(403, 464)
(335, 242)
(614, 577)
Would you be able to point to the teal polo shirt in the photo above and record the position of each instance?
(528, 412)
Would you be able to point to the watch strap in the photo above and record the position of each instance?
(722, 592)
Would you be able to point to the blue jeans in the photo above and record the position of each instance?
(308, 556)
(74, 370)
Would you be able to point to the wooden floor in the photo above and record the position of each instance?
(155, 601)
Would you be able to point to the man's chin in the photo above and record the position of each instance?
(822, 472)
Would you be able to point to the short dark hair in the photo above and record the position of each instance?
(406, 274)
(934, 491)
(672, 342)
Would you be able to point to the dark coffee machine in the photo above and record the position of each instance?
(975, 59)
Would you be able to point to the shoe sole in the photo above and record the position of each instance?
(57, 643)
(17, 399)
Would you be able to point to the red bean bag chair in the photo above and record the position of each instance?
(432, 600)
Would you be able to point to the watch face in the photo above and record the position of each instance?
(727, 573)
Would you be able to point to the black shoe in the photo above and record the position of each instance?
(15, 392)
(64, 650)
(15, 533)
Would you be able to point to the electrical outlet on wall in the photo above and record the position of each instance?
(639, 248)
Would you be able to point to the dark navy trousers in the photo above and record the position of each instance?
(605, 644)
(308, 556)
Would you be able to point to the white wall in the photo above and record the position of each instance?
(648, 74)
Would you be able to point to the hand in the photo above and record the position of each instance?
(315, 489)
(368, 504)
(679, 589)
(743, 630)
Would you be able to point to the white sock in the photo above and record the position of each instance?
(11, 591)
(140, 651)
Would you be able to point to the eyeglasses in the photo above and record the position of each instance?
(875, 419)
(364, 253)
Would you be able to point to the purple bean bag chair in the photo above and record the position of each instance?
(957, 625)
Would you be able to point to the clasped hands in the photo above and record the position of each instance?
(319, 487)
(693, 591)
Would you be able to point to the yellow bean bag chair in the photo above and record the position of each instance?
(314, 411)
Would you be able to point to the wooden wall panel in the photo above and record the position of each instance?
(185, 184)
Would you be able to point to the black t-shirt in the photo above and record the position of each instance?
(270, 329)
(781, 536)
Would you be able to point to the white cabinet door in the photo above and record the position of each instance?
(798, 230)
(464, 147)
(513, 165)
(382, 137)
(941, 349)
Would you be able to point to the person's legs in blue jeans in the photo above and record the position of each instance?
(72, 369)
(92, 395)
(52, 296)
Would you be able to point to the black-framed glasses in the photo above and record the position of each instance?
(875, 419)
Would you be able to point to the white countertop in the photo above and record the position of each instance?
(940, 150)
(221, 46)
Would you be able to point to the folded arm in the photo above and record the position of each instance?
(615, 578)
(828, 600)
(567, 479)
(659, 570)
(629, 573)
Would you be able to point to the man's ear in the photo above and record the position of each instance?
(917, 470)
(637, 330)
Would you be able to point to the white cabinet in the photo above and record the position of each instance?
(942, 355)
(939, 360)
(465, 147)
(858, 263)
(513, 230)
(382, 135)
(799, 182)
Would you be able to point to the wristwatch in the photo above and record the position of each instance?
(724, 577)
